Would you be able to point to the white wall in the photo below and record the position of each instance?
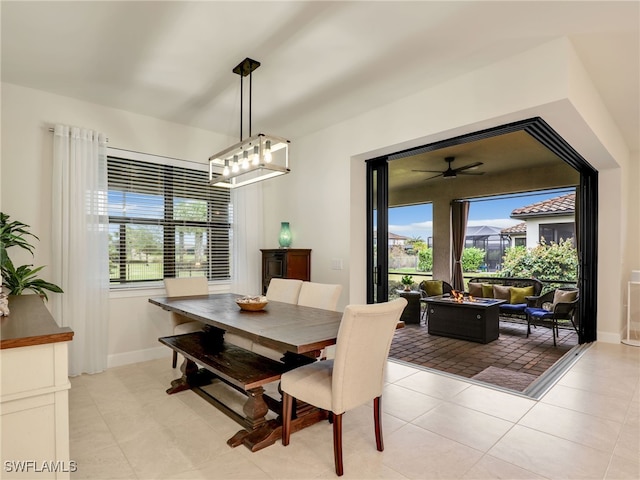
(540, 82)
(27, 114)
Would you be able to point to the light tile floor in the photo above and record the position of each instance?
(123, 426)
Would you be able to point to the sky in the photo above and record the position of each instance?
(417, 220)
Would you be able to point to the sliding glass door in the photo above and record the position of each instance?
(586, 214)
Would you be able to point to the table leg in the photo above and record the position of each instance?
(271, 431)
(255, 408)
(192, 376)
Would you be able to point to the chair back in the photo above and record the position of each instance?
(362, 348)
(319, 295)
(432, 288)
(565, 301)
(284, 290)
(186, 286)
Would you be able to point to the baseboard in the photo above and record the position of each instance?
(137, 356)
(608, 337)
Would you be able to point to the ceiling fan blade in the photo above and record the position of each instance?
(428, 171)
(471, 173)
(435, 176)
(467, 167)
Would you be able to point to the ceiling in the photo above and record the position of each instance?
(498, 155)
(322, 62)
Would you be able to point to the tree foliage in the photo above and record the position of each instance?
(416, 243)
(425, 259)
(472, 258)
(553, 261)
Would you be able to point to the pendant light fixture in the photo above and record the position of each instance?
(253, 159)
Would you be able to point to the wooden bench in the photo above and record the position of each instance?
(242, 369)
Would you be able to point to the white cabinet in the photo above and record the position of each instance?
(34, 395)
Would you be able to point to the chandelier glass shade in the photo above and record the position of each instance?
(253, 159)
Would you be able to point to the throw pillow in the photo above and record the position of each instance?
(518, 294)
(433, 287)
(487, 290)
(475, 290)
(502, 292)
(564, 296)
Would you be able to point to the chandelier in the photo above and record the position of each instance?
(253, 159)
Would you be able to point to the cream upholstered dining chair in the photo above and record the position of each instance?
(319, 295)
(284, 290)
(354, 377)
(185, 287)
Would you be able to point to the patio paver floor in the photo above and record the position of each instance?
(511, 351)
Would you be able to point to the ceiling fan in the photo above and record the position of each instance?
(453, 172)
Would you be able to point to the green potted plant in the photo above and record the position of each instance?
(407, 281)
(17, 279)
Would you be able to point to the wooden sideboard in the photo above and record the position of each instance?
(34, 398)
(285, 263)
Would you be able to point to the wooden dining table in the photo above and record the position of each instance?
(299, 333)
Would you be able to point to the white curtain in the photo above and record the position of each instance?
(247, 238)
(80, 243)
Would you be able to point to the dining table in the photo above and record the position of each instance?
(300, 333)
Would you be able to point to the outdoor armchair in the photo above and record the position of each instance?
(432, 288)
(562, 307)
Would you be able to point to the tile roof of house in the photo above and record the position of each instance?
(520, 228)
(562, 205)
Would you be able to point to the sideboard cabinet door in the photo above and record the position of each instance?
(285, 263)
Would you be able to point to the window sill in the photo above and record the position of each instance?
(156, 289)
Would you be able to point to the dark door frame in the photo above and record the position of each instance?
(377, 230)
(587, 214)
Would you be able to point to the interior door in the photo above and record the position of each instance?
(377, 230)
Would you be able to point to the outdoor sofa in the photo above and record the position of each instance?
(514, 290)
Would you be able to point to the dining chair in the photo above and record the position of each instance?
(311, 294)
(185, 287)
(319, 295)
(353, 378)
(284, 290)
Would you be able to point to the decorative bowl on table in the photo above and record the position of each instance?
(252, 304)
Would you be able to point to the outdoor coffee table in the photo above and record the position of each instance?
(476, 320)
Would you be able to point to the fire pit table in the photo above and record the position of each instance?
(464, 318)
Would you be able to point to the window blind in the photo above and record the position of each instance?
(166, 221)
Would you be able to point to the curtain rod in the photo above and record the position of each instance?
(51, 129)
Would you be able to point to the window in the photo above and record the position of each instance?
(165, 220)
(554, 232)
(520, 242)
